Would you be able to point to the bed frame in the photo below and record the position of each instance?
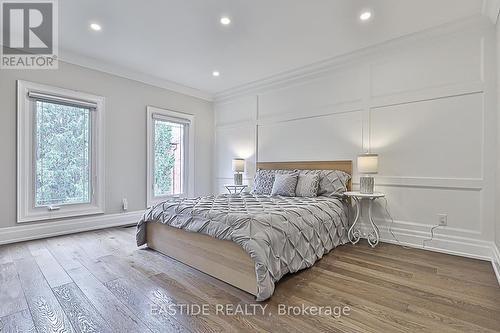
(223, 259)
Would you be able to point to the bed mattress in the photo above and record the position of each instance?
(281, 234)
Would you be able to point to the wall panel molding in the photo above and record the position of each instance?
(238, 124)
(440, 157)
(336, 110)
(235, 111)
(429, 139)
(475, 184)
(237, 140)
(427, 94)
(380, 51)
(332, 136)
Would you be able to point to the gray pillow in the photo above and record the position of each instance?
(331, 182)
(264, 179)
(263, 182)
(307, 185)
(284, 184)
(282, 172)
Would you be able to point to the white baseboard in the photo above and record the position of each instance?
(495, 260)
(454, 245)
(460, 246)
(25, 232)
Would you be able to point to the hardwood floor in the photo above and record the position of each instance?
(100, 282)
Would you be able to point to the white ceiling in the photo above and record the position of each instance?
(182, 41)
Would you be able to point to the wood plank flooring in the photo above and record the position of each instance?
(101, 282)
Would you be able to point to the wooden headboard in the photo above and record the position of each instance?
(345, 166)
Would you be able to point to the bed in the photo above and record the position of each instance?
(249, 241)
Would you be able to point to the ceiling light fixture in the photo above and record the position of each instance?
(365, 16)
(215, 73)
(225, 20)
(95, 26)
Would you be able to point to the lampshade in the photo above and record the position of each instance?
(238, 165)
(368, 163)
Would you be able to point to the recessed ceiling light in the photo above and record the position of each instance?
(225, 20)
(365, 16)
(215, 73)
(95, 26)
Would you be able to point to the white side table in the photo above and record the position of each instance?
(354, 233)
(235, 189)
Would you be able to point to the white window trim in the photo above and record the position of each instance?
(189, 157)
(26, 212)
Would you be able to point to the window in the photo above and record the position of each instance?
(168, 158)
(170, 154)
(60, 155)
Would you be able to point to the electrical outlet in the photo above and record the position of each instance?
(124, 204)
(443, 219)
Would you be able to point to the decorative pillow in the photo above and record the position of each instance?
(332, 183)
(263, 182)
(284, 184)
(307, 185)
(283, 172)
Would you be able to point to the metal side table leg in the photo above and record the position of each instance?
(354, 234)
(374, 236)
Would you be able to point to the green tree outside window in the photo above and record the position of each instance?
(164, 154)
(62, 154)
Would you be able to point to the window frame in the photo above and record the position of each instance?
(173, 116)
(26, 210)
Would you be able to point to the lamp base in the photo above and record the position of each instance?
(366, 184)
(238, 179)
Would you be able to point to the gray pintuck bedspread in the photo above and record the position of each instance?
(281, 234)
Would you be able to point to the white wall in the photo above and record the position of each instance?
(125, 133)
(425, 103)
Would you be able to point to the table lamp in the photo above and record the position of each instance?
(367, 166)
(238, 168)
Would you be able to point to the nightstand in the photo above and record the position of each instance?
(354, 233)
(235, 189)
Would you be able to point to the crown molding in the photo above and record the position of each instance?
(315, 69)
(106, 67)
(491, 9)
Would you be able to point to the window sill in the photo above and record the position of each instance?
(60, 214)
